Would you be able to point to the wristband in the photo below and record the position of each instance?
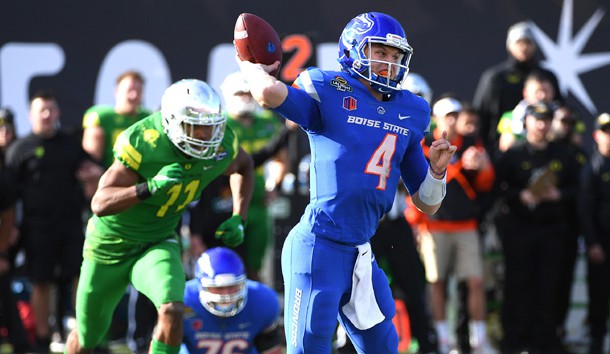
(438, 174)
(142, 191)
(432, 191)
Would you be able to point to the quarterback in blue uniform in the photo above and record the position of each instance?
(227, 313)
(364, 134)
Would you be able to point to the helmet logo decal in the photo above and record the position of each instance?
(350, 103)
(341, 84)
(362, 24)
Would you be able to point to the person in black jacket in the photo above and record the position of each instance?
(537, 181)
(500, 87)
(568, 128)
(594, 209)
(50, 170)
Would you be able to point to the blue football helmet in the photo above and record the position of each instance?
(359, 34)
(222, 281)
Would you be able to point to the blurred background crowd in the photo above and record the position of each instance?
(515, 258)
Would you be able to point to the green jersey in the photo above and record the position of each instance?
(112, 123)
(145, 149)
(254, 138)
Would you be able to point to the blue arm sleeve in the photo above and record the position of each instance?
(413, 168)
(302, 109)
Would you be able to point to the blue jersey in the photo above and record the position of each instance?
(360, 148)
(205, 333)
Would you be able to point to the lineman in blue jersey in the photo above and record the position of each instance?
(364, 134)
(227, 313)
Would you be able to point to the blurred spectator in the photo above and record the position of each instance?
(500, 87)
(567, 128)
(537, 88)
(50, 169)
(467, 125)
(538, 182)
(102, 124)
(7, 132)
(9, 237)
(594, 212)
(450, 241)
(11, 324)
(255, 127)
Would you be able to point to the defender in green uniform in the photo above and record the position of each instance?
(161, 164)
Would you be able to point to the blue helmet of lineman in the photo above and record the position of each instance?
(222, 281)
(356, 40)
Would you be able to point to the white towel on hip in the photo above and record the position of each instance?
(362, 309)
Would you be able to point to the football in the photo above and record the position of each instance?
(256, 41)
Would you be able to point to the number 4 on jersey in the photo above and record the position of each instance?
(381, 161)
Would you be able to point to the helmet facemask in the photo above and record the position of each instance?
(182, 132)
(396, 72)
(217, 300)
(192, 118)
